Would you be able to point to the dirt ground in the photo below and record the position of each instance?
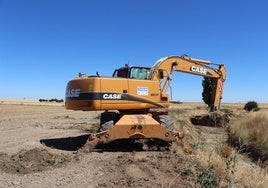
(39, 147)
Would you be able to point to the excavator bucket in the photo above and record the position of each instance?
(136, 127)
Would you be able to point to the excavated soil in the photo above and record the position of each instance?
(212, 119)
(33, 160)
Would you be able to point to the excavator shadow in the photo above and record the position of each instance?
(67, 144)
(130, 145)
(122, 145)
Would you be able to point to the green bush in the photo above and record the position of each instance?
(206, 177)
(251, 105)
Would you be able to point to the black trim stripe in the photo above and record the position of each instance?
(124, 96)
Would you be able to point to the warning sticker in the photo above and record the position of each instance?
(143, 91)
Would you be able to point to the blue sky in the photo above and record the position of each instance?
(45, 43)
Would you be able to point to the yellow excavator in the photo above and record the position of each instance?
(135, 101)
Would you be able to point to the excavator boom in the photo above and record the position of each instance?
(191, 66)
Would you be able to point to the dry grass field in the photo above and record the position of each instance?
(39, 147)
(250, 134)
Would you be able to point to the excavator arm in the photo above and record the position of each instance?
(162, 70)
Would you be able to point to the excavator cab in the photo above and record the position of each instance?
(134, 72)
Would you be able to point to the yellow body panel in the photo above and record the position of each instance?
(106, 93)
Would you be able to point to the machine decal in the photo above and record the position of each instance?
(142, 91)
(200, 70)
(72, 93)
(111, 96)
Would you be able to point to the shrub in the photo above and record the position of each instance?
(206, 177)
(251, 105)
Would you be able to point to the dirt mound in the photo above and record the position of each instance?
(34, 160)
(212, 119)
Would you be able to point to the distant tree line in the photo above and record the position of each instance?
(176, 102)
(51, 100)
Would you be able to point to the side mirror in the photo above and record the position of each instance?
(161, 73)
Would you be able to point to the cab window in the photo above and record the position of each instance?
(139, 73)
(122, 73)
